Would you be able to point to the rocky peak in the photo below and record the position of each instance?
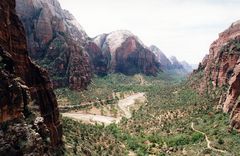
(73, 26)
(224, 37)
(171, 64)
(175, 63)
(115, 39)
(55, 41)
(59, 43)
(100, 40)
(125, 53)
(162, 58)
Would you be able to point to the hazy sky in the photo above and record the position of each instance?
(181, 28)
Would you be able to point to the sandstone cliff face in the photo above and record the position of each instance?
(21, 81)
(126, 54)
(54, 40)
(221, 71)
(97, 59)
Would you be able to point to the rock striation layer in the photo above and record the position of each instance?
(23, 85)
(220, 72)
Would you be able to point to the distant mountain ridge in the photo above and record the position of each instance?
(58, 42)
(162, 58)
(171, 63)
(126, 53)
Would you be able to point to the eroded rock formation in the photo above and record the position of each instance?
(23, 85)
(55, 41)
(220, 71)
(126, 54)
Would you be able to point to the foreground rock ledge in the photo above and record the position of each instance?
(21, 81)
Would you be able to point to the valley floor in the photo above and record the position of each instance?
(123, 105)
(175, 120)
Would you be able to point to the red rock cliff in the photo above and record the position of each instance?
(221, 71)
(19, 77)
(97, 59)
(55, 41)
(125, 53)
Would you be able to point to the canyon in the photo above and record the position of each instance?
(65, 93)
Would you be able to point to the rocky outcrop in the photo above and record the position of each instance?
(220, 72)
(17, 137)
(126, 54)
(23, 85)
(55, 41)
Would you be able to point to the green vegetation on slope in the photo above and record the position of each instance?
(162, 127)
(102, 88)
(82, 139)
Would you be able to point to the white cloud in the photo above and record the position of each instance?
(183, 28)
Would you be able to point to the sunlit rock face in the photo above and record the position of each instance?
(221, 70)
(55, 41)
(23, 86)
(126, 54)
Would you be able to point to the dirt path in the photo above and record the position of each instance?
(124, 105)
(208, 141)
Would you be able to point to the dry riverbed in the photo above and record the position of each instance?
(124, 106)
